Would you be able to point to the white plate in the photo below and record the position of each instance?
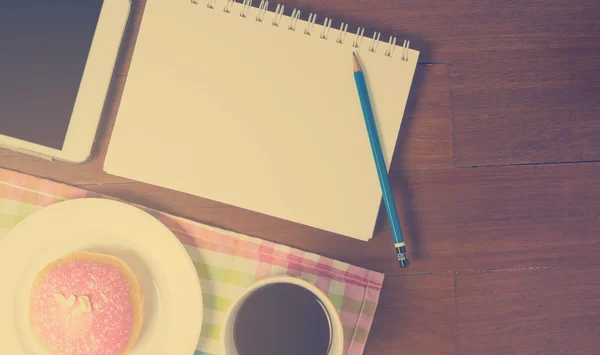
(173, 299)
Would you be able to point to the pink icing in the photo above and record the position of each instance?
(105, 330)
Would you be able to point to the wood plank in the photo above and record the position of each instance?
(453, 219)
(542, 311)
(90, 172)
(415, 315)
(425, 139)
(501, 217)
(477, 29)
(518, 111)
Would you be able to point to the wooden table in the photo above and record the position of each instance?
(496, 174)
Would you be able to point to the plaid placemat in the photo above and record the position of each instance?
(226, 262)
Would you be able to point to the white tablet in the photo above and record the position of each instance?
(57, 60)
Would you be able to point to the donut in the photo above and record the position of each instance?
(86, 303)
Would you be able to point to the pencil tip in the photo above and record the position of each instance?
(357, 67)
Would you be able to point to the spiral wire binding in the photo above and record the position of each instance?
(375, 42)
(262, 10)
(294, 19)
(343, 32)
(326, 28)
(278, 15)
(359, 37)
(245, 8)
(228, 6)
(405, 50)
(310, 23)
(312, 18)
(392, 44)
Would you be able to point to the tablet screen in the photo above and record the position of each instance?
(43, 50)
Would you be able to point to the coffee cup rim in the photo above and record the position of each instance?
(337, 334)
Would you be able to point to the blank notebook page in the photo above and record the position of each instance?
(258, 116)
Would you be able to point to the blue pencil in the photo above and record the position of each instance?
(388, 198)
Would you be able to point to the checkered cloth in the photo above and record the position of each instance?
(226, 262)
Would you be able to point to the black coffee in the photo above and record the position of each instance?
(282, 319)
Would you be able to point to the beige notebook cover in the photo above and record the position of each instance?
(259, 110)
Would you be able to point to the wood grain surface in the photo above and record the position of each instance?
(421, 326)
(537, 311)
(526, 110)
(495, 175)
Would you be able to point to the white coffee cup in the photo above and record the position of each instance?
(337, 334)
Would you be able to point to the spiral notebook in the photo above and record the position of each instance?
(256, 107)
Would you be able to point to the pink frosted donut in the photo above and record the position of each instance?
(86, 303)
